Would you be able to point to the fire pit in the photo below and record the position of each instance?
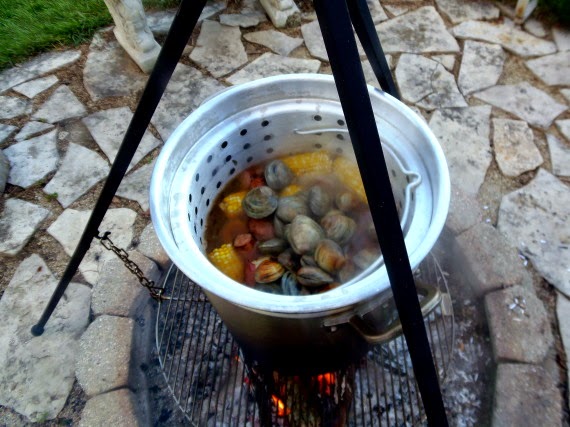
(212, 384)
(274, 117)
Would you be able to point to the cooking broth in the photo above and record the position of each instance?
(296, 225)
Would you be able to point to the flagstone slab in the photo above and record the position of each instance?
(561, 38)
(69, 226)
(219, 48)
(278, 42)
(464, 136)
(61, 105)
(269, 64)
(80, 170)
(41, 64)
(535, 27)
(376, 11)
(35, 87)
(32, 160)
(135, 186)
(524, 101)
(110, 72)
(566, 94)
(369, 75)
(515, 150)
(508, 36)
(559, 155)
(564, 127)
(419, 31)
(31, 129)
(465, 10)
(104, 355)
(427, 83)
(536, 219)
(11, 107)
(149, 245)
(243, 20)
(552, 69)
(481, 66)
(108, 128)
(448, 61)
(6, 131)
(36, 376)
(159, 22)
(186, 90)
(519, 326)
(116, 408)
(19, 220)
(563, 316)
(396, 10)
(315, 44)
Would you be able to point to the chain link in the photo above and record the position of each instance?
(156, 292)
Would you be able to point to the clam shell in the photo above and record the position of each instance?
(365, 257)
(338, 227)
(268, 271)
(329, 256)
(346, 201)
(289, 284)
(278, 175)
(308, 261)
(289, 259)
(313, 277)
(320, 201)
(272, 246)
(304, 234)
(260, 202)
(291, 206)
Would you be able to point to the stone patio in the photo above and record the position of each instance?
(495, 94)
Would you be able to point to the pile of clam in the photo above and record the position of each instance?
(304, 241)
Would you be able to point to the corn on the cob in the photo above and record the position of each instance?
(303, 163)
(290, 190)
(349, 174)
(231, 204)
(227, 260)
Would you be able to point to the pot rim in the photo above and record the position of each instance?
(339, 299)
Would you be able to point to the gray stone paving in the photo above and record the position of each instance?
(530, 106)
(73, 179)
(536, 218)
(61, 105)
(108, 128)
(481, 66)
(36, 376)
(41, 64)
(427, 83)
(18, 222)
(464, 136)
(32, 129)
(419, 31)
(32, 160)
(11, 107)
(34, 87)
(560, 155)
(515, 150)
(278, 42)
(506, 35)
(525, 101)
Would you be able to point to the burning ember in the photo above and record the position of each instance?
(282, 410)
(326, 381)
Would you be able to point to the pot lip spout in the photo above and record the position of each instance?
(192, 261)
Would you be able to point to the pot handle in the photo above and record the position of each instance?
(432, 297)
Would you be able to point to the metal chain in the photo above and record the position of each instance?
(155, 291)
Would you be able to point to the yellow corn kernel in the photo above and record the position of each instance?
(231, 204)
(349, 174)
(290, 190)
(227, 260)
(303, 163)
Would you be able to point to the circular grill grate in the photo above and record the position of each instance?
(212, 386)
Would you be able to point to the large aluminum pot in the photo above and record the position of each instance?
(271, 117)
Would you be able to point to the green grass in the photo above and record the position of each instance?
(28, 27)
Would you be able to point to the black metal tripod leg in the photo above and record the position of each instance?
(177, 38)
(364, 27)
(340, 43)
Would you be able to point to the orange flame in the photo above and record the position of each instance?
(282, 410)
(326, 381)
